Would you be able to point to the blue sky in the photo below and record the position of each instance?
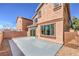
(74, 9)
(9, 12)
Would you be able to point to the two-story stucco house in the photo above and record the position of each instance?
(49, 21)
(22, 23)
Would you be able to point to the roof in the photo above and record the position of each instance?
(24, 18)
(39, 6)
(34, 15)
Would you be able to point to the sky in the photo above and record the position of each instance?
(9, 12)
(74, 9)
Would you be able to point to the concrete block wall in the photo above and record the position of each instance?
(68, 36)
(12, 34)
(1, 37)
(19, 34)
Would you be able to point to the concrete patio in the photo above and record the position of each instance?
(30, 46)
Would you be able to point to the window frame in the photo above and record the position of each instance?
(51, 35)
(32, 32)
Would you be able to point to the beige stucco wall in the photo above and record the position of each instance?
(19, 24)
(25, 23)
(49, 15)
(58, 31)
(28, 32)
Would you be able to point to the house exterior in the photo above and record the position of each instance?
(22, 23)
(49, 21)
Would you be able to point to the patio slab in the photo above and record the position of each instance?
(35, 47)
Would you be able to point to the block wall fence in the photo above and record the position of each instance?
(11, 34)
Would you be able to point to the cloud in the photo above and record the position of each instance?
(1, 26)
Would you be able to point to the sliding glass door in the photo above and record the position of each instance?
(32, 32)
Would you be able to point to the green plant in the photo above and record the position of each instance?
(75, 24)
(66, 27)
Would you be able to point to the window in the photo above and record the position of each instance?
(57, 6)
(35, 20)
(47, 29)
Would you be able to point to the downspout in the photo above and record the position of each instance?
(63, 23)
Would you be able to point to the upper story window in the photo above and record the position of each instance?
(39, 14)
(57, 6)
(35, 20)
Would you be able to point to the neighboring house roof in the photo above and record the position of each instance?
(23, 19)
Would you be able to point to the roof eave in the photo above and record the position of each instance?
(37, 9)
